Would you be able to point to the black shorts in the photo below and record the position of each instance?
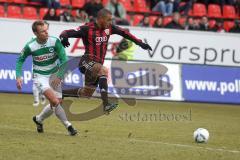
(86, 68)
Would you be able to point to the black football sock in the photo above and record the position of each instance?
(103, 89)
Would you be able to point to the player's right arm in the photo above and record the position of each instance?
(78, 33)
(20, 60)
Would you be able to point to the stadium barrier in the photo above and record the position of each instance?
(147, 82)
(211, 84)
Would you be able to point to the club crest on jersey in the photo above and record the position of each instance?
(106, 31)
(51, 50)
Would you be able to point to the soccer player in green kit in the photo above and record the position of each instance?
(45, 51)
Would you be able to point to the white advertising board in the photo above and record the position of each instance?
(144, 80)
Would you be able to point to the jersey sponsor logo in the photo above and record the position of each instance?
(101, 39)
(44, 57)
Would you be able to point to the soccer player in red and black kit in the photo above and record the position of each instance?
(95, 36)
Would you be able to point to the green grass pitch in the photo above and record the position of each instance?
(127, 133)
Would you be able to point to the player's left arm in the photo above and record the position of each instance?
(124, 33)
(62, 58)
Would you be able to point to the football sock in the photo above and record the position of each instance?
(46, 112)
(35, 93)
(60, 113)
(103, 89)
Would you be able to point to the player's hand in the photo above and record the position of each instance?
(145, 46)
(56, 82)
(19, 83)
(64, 41)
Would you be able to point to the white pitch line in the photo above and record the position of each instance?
(186, 146)
(136, 140)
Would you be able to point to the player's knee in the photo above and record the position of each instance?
(96, 69)
(60, 100)
(103, 71)
(54, 102)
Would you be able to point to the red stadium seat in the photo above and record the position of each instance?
(74, 12)
(227, 25)
(229, 12)
(127, 5)
(199, 10)
(2, 13)
(4, 0)
(14, 12)
(78, 3)
(167, 20)
(182, 21)
(35, 4)
(214, 11)
(212, 23)
(42, 12)
(65, 2)
(59, 11)
(140, 6)
(20, 1)
(137, 19)
(152, 19)
(30, 13)
(105, 2)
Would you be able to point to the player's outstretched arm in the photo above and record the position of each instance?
(145, 46)
(124, 33)
(64, 39)
(70, 34)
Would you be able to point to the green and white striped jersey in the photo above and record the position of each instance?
(45, 56)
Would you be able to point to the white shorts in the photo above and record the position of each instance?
(43, 83)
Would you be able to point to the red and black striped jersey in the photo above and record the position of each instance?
(96, 39)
